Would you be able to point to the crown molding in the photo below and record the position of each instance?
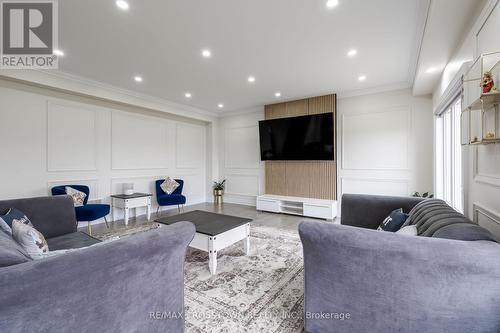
(423, 10)
(241, 112)
(77, 85)
(374, 90)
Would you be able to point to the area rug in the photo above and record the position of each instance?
(125, 231)
(262, 292)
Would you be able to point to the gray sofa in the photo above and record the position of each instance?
(358, 279)
(111, 287)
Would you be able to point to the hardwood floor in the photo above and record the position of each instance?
(280, 221)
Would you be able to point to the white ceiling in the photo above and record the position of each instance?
(297, 47)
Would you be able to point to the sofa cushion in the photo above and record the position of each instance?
(394, 221)
(465, 232)
(11, 253)
(77, 196)
(10, 216)
(169, 185)
(29, 238)
(73, 240)
(430, 215)
(409, 230)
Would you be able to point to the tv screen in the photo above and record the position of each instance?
(297, 138)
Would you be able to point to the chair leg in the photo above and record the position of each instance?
(157, 210)
(179, 208)
(89, 228)
(106, 221)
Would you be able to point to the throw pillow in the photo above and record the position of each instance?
(12, 215)
(29, 238)
(77, 196)
(394, 221)
(410, 230)
(169, 185)
(11, 253)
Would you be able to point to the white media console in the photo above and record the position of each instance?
(323, 209)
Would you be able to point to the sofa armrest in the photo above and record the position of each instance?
(109, 287)
(368, 211)
(389, 282)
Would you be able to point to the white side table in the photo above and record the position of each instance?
(126, 202)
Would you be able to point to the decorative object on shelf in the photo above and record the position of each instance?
(490, 135)
(487, 83)
(475, 140)
(426, 195)
(219, 191)
(128, 188)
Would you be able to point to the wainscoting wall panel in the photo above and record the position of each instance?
(71, 127)
(239, 157)
(69, 140)
(242, 147)
(189, 146)
(382, 136)
(376, 186)
(385, 144)
(310, 179)
(487, 219)
(138, 142)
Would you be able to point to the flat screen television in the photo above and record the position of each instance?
(297, 138)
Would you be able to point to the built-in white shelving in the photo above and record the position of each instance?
(318, 208)
(480, 112)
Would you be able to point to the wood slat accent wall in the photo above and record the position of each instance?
(311, 179)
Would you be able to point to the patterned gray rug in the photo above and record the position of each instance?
(262, 292)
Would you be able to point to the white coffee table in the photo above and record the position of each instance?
(214, 232)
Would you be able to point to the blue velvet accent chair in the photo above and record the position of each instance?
(87, 212)
(176, 198)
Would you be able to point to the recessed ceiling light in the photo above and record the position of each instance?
(206, 53)
(332, 3)
(220, 106)
(138, 79)
(58, 53)
(431, 70)
(188, 95)
(352, 53)
(122, 4)
(251, 79)
(278, 94)
(362, 78)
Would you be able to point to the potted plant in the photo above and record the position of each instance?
(426, 195)
(219, 191)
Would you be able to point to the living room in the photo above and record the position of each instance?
(216, 166)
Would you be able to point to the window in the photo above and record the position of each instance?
(449, 156)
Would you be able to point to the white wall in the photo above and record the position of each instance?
(384, 144)
(49, 138)
(239, 156)
(482, 163)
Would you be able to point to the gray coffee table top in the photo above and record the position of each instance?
(207, 223)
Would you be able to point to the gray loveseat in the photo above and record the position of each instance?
(119, 286)
(361, 280)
